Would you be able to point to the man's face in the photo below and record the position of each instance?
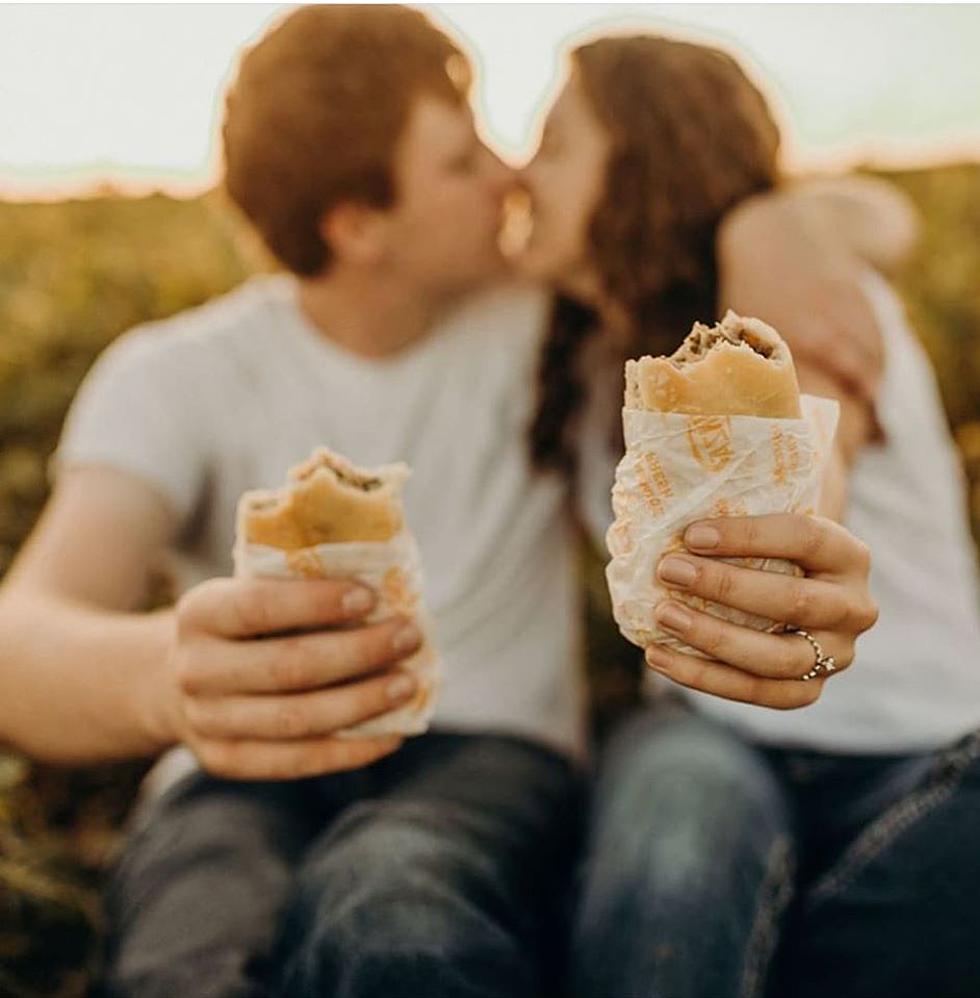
(444, 228)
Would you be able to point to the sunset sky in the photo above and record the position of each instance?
(131, 93)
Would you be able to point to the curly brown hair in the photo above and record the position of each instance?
(316, 112)
(690, 137)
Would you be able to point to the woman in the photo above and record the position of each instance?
(840, 837)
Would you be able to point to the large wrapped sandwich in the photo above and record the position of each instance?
(719, 428)
(333, 520)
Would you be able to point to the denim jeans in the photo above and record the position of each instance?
(717, 868)
(433, 872)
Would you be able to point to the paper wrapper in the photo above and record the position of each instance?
(681, 468)
(393, 569)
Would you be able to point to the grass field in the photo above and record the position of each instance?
(75, 275)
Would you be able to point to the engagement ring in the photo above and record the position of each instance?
(823, 663)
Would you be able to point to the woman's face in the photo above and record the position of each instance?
(566, 182)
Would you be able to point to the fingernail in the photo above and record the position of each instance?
(702, 536)
(679, 571)
(401, 687)
(656, 658)
(357, 601)
(406, 638)
(673, 618)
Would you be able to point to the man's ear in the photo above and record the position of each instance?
(355, 232)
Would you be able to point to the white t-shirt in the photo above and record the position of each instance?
(915, 683)
(228, 396)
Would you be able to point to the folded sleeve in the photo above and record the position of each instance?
(141, 410)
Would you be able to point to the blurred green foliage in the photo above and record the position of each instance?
(76, 274)
(941, 289)
(73, 275)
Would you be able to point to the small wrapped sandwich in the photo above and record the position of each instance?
(716, 429)
(333, 520)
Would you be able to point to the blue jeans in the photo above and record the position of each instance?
(433, 872)
(716, 868)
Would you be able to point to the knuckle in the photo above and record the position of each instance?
(862, 556)
(720, 581)
(697, 675)
(869, 616)
(291, 721)
(191, 608)
(856, 616)
(379, 648)
(251, 611)
(751, 530)
(755, 690)
(198, 720)
(187, 675)
(185, 613)
(356, 652)
(841, 613)
(813, 537)
(288, 670)
(708, 635)
(370, 697)
(800, 602)
(290, 665)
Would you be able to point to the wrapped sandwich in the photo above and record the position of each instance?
(719, 428)
(333, 520)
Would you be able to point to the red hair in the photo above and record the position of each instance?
(317, 110)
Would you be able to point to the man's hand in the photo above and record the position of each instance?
(265, 672)
(794, 258)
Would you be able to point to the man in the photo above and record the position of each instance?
(350, 146)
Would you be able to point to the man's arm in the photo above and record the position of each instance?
(795, 258)
(84, 678)
(855, 429)
(80, 673)
(874, 219)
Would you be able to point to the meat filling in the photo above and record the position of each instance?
(731, 332)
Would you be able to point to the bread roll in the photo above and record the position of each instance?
(740, 367)
(327, 500)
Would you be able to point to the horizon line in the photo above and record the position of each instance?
(87, 182)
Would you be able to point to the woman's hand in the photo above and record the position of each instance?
(832, 602)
